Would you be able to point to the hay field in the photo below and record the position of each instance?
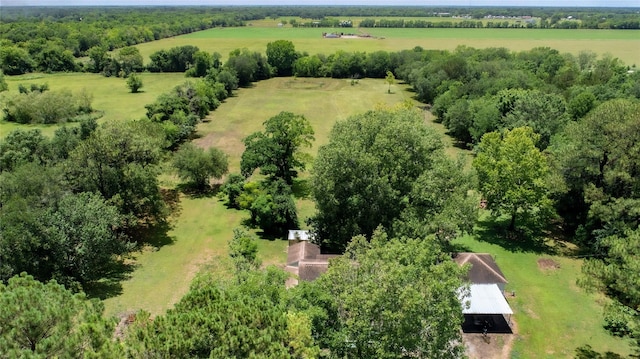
(623, 44)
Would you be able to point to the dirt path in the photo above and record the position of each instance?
(494, 346)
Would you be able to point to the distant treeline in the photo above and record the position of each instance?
(49, 39)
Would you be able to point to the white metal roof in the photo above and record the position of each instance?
(485, 299)
(298, 234)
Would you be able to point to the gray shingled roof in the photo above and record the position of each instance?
(305, 261)
(484, 269)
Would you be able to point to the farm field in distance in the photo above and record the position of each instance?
(623, 44)
(553, 315)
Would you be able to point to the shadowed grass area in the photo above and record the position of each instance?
(553, 315)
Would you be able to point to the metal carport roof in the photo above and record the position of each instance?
(485, 299)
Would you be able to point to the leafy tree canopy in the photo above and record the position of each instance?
(198, 166)
(119, 161)
(512, 173)
(40, 320)
(394, 298)
(219, 319)
(276, 151)
(375, 168)
(281, 55)
(599, 159)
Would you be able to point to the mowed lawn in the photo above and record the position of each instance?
(202, 227)
(623, 44)
(553, 315)
(110, 94)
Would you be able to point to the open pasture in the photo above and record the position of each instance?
(203, 226)
(110, 94)
(623, 44)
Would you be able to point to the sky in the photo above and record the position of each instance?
(511, 3)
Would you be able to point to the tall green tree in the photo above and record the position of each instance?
(281, 54)
(198, 166)
(23, 146)
(15, 60)
(134, 83)
(512, 173)
(394, 298)
(374, 169)
(277, 150)
(130, 60)
(119, 161)
(274, 210)
(243, 250)
(99, 58)
(618, 275)
(39, 320)
(248, 66)
(219, 319)
(598, 157)
(77, 239)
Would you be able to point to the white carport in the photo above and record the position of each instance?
(486, 299)
(485, 305)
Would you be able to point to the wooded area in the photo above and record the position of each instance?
(556, 140)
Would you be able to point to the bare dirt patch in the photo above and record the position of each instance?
(548, 264)
(495, 346)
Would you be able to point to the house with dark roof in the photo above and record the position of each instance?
(305, 261)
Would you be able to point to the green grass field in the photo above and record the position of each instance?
(203, 226)
(110, 94)
(621, 44)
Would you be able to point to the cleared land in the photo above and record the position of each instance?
(623, 44)
(203, 226)
(110, 94)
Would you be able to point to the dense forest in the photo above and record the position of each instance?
(556, 140)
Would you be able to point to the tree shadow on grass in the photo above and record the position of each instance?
(152, 235)
(155, 235)
(197, 192)
(301, 188)
(457, 248)
(269, 236)
(111, 284)
(526, 238)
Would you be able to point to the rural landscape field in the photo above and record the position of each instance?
(160, 197)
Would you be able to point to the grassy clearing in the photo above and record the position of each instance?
(621, 44)
(553, 315)
(110, 94)
(322, 101)
(203, 226)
